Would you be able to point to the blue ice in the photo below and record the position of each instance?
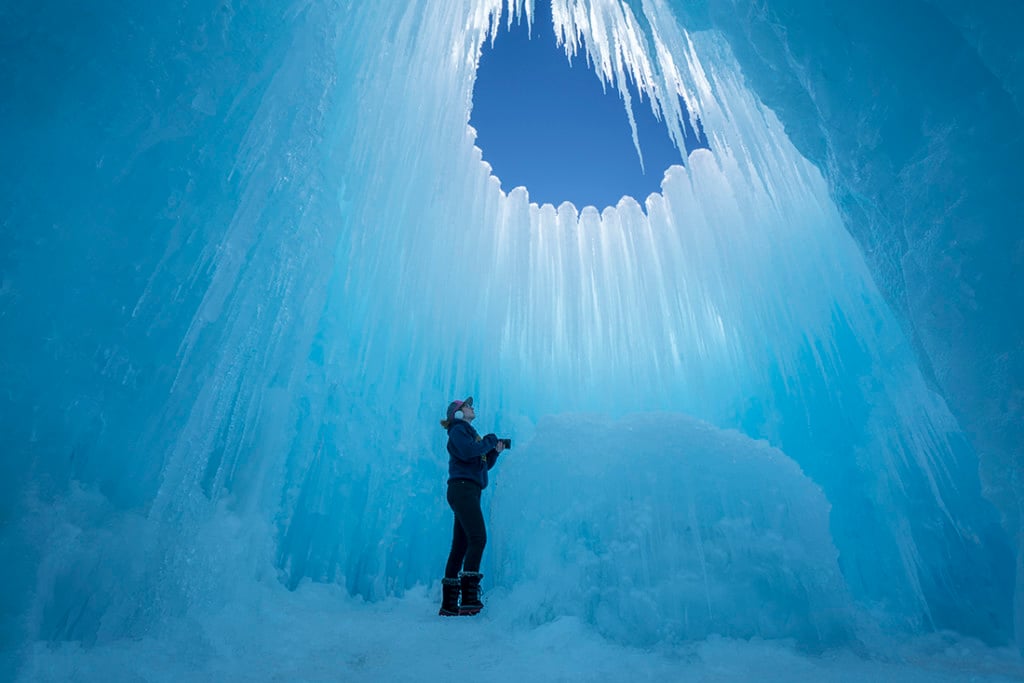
(767, 420)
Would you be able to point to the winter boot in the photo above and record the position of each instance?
(470, 594)
(449, 598)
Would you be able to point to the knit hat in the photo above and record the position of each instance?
(456, 406)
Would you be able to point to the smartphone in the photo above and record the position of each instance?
(507, 442)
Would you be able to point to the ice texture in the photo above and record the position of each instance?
(658, 527)
(916, 121)
(249, 252)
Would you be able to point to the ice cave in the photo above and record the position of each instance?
(767, 420)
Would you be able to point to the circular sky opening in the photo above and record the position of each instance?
(552, 127)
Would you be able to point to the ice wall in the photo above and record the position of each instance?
(913, 111)
(167, 172)
(250, 253)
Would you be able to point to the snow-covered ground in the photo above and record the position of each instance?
(318, 633)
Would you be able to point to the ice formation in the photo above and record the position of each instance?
(248, 253)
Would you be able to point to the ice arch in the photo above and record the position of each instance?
(259, 235)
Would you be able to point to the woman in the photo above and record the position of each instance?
(470, 456)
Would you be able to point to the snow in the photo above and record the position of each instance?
(319, 633)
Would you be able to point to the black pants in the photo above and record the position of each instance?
(469, 536)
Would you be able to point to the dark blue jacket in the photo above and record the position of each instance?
(469, 454)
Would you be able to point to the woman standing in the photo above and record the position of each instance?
(470, 456)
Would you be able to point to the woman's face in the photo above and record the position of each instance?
(467, 413)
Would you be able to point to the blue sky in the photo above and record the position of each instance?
(549, 126)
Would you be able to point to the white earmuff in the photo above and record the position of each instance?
(459, 414)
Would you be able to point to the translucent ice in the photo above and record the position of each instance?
(248, 253)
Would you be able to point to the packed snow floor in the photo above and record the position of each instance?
(318, 633)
